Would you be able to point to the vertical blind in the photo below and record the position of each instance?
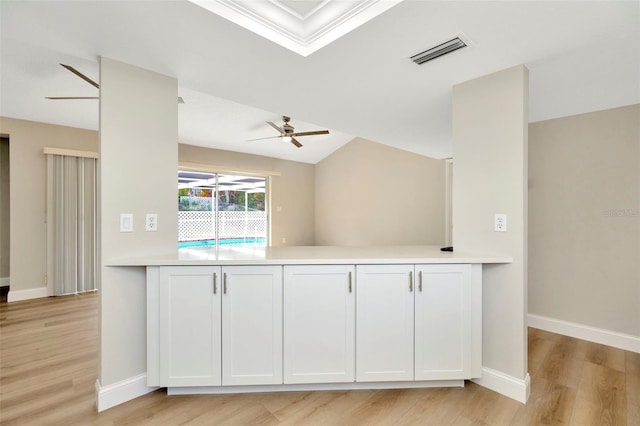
(71, 224)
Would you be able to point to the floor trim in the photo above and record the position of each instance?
(30, 293)
(203, 390)
(128, 389)
(122, 391)
(623, 341)
(504, 384)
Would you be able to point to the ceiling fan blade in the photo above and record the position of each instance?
(317, 132)
(296, 143)
(82, 76)
(275, 127)
(62, 98)
(261, 139)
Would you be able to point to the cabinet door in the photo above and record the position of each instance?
(443, 322)
(189, 303)
(384, 323)
(252, 325)
(319, 324)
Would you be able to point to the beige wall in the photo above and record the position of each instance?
(584, 211)
(292, 193)
(138, 162)
(373, 194)
(4, 211)
(490, 176)
(27, 189)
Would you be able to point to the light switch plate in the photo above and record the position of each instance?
(126, 222)
(500, 223)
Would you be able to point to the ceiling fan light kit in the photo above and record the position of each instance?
(288, 133)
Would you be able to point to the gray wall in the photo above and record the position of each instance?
(138, 163)
(584, 211)
(27, 189)
(490, 119)
(292, 212)
(4, 211)
(372, 194)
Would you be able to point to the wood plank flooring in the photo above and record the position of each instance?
(49, 364)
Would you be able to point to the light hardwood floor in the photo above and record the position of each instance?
(49, 364)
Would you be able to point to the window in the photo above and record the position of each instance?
(221, 210)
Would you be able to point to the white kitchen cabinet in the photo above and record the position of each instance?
(228, 328)
(384, 323)
(189, 330)
(443, 322)
(319, 324)
(251, 325)
(415, 326)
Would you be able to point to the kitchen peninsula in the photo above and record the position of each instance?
(293, 318)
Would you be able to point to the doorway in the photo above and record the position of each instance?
(216, 209)
(5, 228)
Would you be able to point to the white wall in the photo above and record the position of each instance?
(490, 176)
(584, 211)
(138, 162)
(367, 193)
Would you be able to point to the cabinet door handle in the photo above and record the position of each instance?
(410, 281)
(420, 281)
(349, 281)
(215, 283)
(224, 283)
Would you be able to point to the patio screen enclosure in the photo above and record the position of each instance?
(222, 209)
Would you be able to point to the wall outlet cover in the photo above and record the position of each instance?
(500, 223)
(151, 222)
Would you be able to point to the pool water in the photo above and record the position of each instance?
(224, 242)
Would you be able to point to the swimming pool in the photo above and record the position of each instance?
(238, 242)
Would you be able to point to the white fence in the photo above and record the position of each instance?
(201, 225)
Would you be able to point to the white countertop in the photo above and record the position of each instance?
(310, 255)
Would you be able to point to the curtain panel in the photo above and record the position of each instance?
(71, 224)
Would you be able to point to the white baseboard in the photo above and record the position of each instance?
(4, 281)
(133, 387)
(623, 341)
(30, 293)
(122, 391)
(205, 390)
(504, 384)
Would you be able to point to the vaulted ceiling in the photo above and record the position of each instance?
(356, 81)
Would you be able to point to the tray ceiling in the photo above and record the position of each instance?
(300, 26)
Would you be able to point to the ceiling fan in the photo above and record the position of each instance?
(82, 76)
(88, 80)
(287, 133)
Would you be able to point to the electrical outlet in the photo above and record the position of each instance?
(500, 223)
(151, 222)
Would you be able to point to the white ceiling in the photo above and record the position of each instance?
(582, 56)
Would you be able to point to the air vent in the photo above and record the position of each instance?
(440, 50)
